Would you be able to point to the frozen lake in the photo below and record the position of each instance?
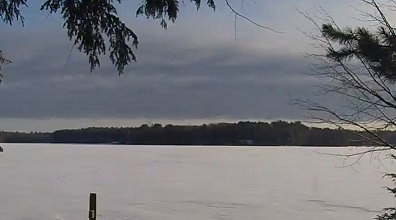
(41, 181)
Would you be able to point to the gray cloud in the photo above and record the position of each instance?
(191, 72)
(178, 83)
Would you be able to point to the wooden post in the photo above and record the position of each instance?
(92, 206)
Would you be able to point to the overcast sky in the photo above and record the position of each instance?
(194, 72)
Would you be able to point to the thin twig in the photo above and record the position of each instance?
(250, 20)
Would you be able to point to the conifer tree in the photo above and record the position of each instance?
(389, 213)
(95, 27)
(359, 66)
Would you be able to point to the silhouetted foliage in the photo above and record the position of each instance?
(165, 9)
(21, 137)
(376, 48)
(389, 213)
(359, 66)
(90, 23)
(279, 133)
(2, 61)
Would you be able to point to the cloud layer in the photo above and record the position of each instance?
(196, 70)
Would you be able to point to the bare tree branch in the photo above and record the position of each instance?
(248, 19)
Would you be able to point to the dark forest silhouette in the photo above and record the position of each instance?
(278, 133)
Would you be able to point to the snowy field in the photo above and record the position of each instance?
(42, 181)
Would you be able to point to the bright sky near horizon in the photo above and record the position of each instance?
(194, 72)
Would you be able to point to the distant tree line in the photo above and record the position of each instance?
(278, 133)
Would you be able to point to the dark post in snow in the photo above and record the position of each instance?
(92, 206)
